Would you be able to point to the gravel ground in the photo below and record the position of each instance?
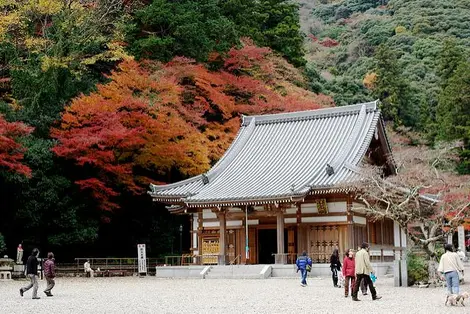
(152, 295)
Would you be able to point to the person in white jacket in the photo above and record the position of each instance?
(88, 268)
(450, 265)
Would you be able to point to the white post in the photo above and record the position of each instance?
(461, 233)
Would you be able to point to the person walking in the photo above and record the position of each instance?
(302, 263)
(349, 272)
(32, 273)
(363, 269)
(49, 273)
(450, 265)
(335, 265)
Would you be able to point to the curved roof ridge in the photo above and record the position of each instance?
(309, 114)
(233, 150)
(155, 187)
(367, 140)
(356, 135)
(352, 140)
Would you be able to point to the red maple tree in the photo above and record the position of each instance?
(11, 151)
(180, 115)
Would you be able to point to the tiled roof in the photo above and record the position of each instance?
(280, 157)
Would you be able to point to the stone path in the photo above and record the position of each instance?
(152, 295)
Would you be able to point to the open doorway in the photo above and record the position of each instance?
(267, 245)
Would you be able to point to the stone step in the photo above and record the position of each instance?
(235, 276)
(237, 271)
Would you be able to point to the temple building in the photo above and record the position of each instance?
(285, 185)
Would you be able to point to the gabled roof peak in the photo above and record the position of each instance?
(309, 114)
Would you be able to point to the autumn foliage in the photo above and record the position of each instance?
(153, 118)
(11, 151)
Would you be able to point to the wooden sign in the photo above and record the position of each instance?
(322, 206)
(142, 259)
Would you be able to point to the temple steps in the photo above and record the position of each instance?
(239, 272)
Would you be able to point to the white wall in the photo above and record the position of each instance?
(325, 219)
(360, 220)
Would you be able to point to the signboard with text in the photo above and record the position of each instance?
(142, 258)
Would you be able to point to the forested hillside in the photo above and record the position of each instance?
(410, 54)
(98, 98)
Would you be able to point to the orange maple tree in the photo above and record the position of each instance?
(153, 118)
(11, 151)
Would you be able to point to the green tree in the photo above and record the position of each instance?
(392, 88)
(46, 209)
(453, 112)
(281, 29)
(450, 57)
(164, 29)
(3, 246)
(52, 50)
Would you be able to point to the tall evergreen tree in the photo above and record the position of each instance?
(392, 88)
(450, 57)
(453, 112)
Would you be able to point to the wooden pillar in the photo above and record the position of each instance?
(280, 237)
(200, 227)
(350, 229)
(191, 245)
(300, 230)
(222, 236)
(382, 232)
(243, 243)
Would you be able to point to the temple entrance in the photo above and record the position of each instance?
(267, 245)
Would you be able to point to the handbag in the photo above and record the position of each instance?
(460, 275)
(308, 268)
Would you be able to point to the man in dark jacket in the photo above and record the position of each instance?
(32, 273)
(49, 273)
(302, 262)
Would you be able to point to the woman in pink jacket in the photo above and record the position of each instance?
(349, 271)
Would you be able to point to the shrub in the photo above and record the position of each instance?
(400, 29)
(342, 13)
(417, 268)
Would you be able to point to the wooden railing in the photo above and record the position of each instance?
(386, 253)
(118, 265)
(204, 259)
(236, 260)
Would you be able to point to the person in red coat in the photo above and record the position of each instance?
(349, 271)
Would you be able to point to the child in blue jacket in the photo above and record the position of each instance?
(302, 262)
